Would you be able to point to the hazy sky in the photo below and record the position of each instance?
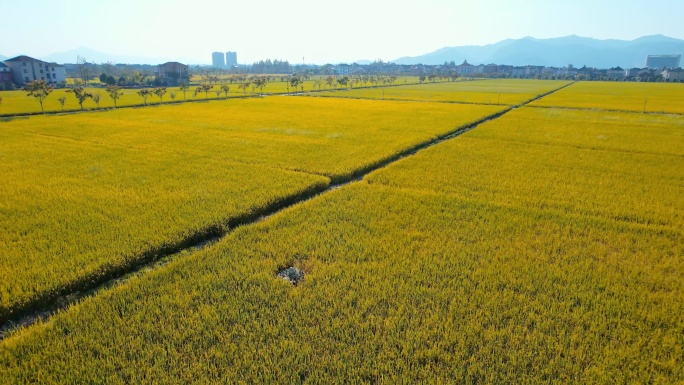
(320, 31)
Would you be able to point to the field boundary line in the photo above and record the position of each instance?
(610, 110)
(49, 304)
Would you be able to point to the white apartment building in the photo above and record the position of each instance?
(27, 69)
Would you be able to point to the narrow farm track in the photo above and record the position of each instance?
(50, 306)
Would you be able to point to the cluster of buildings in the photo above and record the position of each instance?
(23, 69)
(665, 66)
(221, 60)
(20, 70)
(657, 68)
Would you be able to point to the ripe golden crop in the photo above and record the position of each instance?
(530, 250)
(499, 91)
(85, 195)
(627, 96)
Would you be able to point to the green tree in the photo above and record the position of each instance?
(160, 92)
(225, 88)
(295, 81)
(260, 82)
(244, 86)
(206, 88)
(144, 94)
(40, 90)
(103, 78)
(183, 87)
(114, 93)
(343, 81)
(81, 95)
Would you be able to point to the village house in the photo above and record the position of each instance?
(673, 74)
(5, 74)
(616, 73)
(172, 72)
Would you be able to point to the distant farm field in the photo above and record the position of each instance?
(506, 92)
(543, 245)
(627, 96)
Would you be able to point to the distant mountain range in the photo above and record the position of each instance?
(556, 52)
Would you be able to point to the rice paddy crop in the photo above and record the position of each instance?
(330, 137)
(499, 91)
(85, 195)
(484, 259)
(628, 96)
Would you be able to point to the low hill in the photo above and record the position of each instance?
(557, 52)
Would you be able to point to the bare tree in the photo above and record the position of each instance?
(40, 90)
(96, 98)
(82, 69)
(244, 86)
(172, 95)
(62, 100)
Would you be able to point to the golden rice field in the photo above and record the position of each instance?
(88, 194)
(627, 96)
(544, 246)
(500, 91)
